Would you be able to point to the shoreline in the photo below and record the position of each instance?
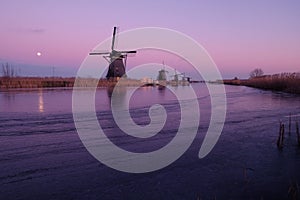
(285, 82)
(69, 82)
(59, 82)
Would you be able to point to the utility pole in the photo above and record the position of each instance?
(53, 69)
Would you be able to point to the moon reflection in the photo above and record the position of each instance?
(41, 101)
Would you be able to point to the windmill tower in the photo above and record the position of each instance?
(115, 58)
(185, 79)
(162, 74)
(162, 77)
(175, 80)
(176, 76)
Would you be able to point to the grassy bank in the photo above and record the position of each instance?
(47, 82)
(35, 82)
(285, 82)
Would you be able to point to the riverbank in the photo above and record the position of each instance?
(52, 82)
(284, 82)
(48, 82)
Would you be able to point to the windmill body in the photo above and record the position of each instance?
(116, 69)
(162, 76)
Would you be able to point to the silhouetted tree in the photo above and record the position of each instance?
(256, 73)
(8, 70)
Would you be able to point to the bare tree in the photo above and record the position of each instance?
(256, 73)
(8, 70)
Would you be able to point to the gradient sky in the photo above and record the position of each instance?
(239, 35)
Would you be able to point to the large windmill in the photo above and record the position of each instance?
(115, 58)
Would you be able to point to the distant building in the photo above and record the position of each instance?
(147, 80)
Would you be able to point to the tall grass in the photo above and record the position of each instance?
(286, 82)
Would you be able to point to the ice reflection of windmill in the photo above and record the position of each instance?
(115, 58)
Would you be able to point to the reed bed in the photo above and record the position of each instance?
(47, 82)
(286, 82)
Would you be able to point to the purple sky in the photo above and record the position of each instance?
(239, 35)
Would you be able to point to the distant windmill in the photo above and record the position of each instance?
(162, 78)
(185, 78)
(162, 74)
(115, 58)
(176, 76)
(184, 81)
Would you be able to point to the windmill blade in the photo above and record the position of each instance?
(125, 61)
(98, 53)
(113, 39)
(130, 54)
(127, 51)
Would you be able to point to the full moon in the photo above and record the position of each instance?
(38, 53)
